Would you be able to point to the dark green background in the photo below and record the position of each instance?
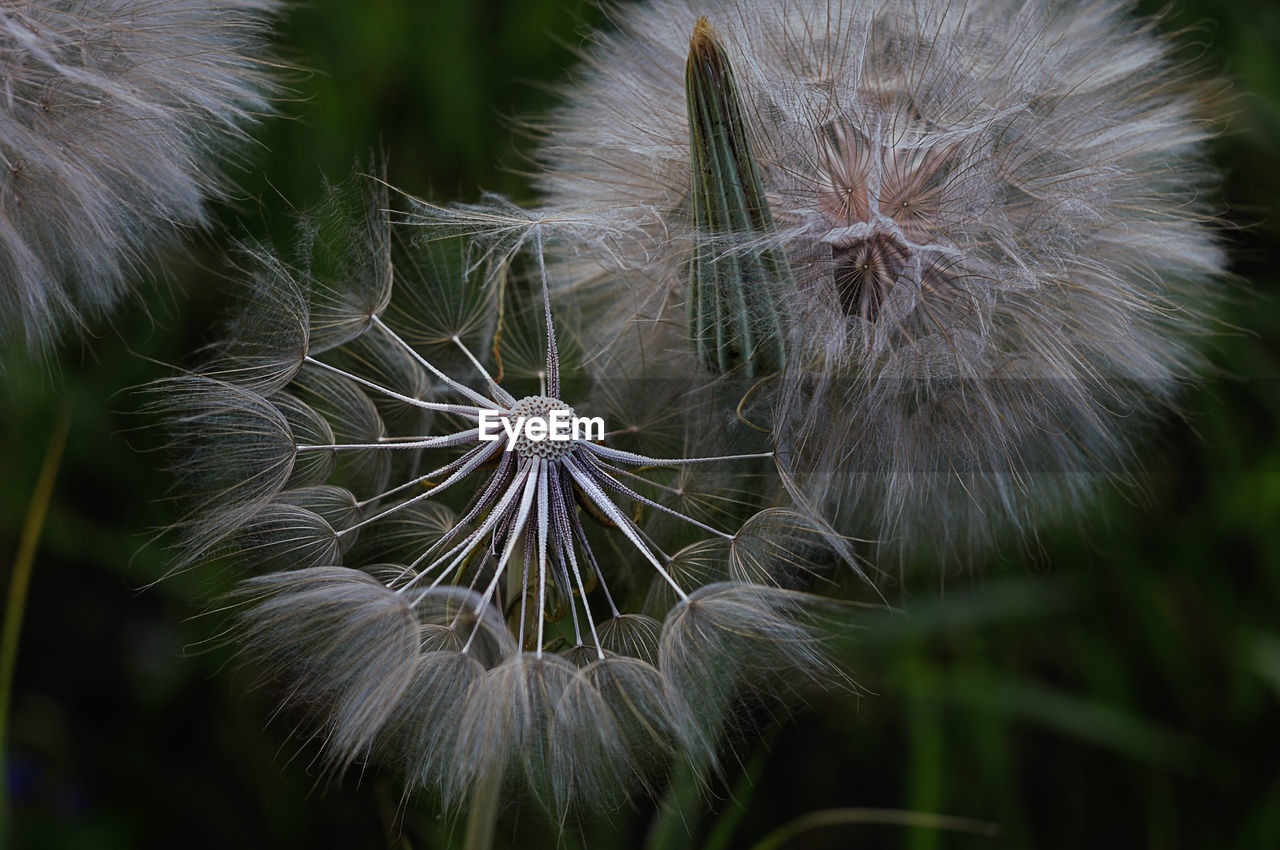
(1121, 689)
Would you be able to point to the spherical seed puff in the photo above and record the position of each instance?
(996, 217)
(113, 119)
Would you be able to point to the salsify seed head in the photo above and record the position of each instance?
(971, 242)
(115, 121)
(471, 612)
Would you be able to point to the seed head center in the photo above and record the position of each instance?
(557, 436)
(866, 270)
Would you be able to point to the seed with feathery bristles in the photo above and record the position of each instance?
(115, 118)
(345, 646)
(455, 607)
(999, 259)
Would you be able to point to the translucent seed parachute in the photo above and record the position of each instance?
(468, 611)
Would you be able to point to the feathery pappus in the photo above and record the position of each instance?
(966, 249)
(115, 121)
(436, 584)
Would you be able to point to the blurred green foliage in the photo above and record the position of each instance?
(1119, 689)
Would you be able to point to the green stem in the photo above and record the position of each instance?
(678, 814)
(722, 835)
(927, 755)
(19, 581)
(483, 817)
(893, 817)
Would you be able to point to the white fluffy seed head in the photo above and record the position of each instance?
(114, 119)
(438, 606)
(995, 215)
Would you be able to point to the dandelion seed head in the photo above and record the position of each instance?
(973, 242)
(466, 611)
